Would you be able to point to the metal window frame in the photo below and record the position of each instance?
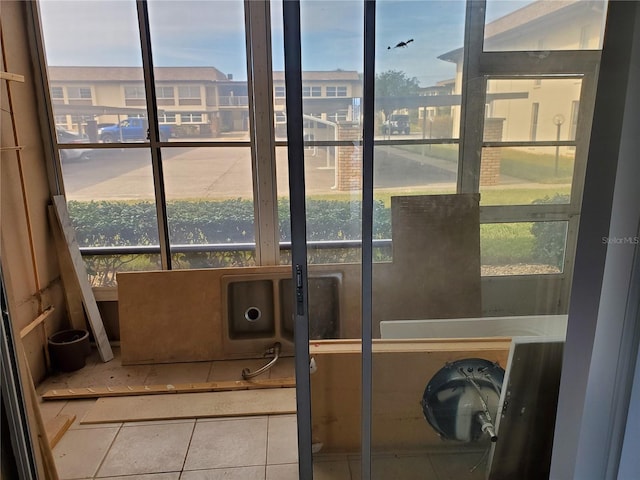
(479, 66)
(297, 194)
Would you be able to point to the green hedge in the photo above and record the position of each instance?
(108, 223)
(549, 247)
(113, 223)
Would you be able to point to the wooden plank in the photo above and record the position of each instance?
(14, 77)
(45, 461)
(401, 371)
(192, 405)
(72, 293)
(88, 300)
(39, 319)
(122, 391)
(57, 426)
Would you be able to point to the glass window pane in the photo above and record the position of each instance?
(526, 175)
(95, 88)
(209, 206)
(417, 84)
(200, 62)
(102, 269)
(532, 248)
(531, 109)
(544, 25)
(110, 197)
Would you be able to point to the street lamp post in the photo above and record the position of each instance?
(558, 120)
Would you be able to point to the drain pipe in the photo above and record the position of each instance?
(275, 351)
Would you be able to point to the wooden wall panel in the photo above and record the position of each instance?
(401, 371)
(169, 316)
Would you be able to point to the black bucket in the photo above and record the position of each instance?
(69, 349)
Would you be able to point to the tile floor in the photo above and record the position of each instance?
(243, 448)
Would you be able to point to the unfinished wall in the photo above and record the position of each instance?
(29, 263)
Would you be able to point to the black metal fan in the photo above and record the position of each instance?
(461, 400)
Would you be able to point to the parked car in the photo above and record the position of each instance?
(396, 123)
(131, 130)
(70, 137)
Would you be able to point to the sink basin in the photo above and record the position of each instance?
(251, 310)
(324, 307)
(258, 311)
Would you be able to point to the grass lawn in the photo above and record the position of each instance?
(506, 243)
(518, 163)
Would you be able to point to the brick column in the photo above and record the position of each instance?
(491, 156)
(349, 161)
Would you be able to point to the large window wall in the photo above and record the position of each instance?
(208, 188)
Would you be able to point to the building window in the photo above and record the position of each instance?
(131, 93)
(164, 92)
(61, 119)
(190, 117)
(339, 116)
(280, 92)
(336, 91)
(57, 93)
(309, 91)
(79, 93)
(167, 117)
(189, 92)
(189, 95)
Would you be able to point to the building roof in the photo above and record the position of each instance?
(342, 75)
(133, 74)
(531, 16)
(524, 15)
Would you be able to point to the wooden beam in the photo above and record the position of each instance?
(88, 300)
(72, 294)
(274, 401)
(39, 319)
(121, 391)
(14, 77)
(57, 426)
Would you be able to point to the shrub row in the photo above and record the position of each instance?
(107, 223)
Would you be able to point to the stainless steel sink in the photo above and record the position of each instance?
(251, 309)
(324, 307)
(258, 311)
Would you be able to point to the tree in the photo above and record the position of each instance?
(394, 83)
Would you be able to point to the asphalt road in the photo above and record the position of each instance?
(225, 172)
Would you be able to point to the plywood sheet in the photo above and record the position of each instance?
(131, 390)
(401, 371)
(436, 259)
(192, 405)
(173, 316)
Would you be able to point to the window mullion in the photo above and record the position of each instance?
(473, 88)
(260, 82)
(154, 135)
